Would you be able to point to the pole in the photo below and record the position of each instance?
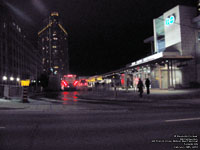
(25, 95)
(168, 74)
(172, 74)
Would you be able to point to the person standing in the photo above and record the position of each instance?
(140, 87)
(147, 83)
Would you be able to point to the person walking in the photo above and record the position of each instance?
(140, 87)
(147, 83)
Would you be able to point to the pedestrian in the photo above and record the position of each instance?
(140, 87)
(147, 83)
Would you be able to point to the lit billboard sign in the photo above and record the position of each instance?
(170, 20)
(25, 82)
(172, 28)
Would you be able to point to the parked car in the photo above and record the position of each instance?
(82, 84)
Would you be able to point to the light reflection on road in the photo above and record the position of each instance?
(69, 96)
(65, 96)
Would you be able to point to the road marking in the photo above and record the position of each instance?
(186, 119)
(2, 127)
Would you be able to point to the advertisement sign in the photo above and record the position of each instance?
(25, 82)
(172, 27)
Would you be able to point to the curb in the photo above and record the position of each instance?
(112, 99)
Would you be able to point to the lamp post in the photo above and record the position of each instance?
(6, 88)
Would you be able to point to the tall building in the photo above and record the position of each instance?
(53, 44)
(18, 57)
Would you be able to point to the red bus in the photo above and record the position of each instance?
(69, 82)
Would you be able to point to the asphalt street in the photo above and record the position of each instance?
(102, 126)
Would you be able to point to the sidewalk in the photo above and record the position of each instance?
(132, 95)
(33, 105)
(187, 96)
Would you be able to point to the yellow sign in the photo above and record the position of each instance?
(99, 78)
(91, 80)
(25, 82)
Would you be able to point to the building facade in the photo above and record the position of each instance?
(53, 45)
(19, 59)
(175, 61)
(175, 47)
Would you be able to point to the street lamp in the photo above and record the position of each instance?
(4, 78)
(11, 78)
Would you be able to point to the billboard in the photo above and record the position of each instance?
(172, 27)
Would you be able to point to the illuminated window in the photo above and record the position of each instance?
(55, 51)
(56, 67)
(54, 14)
(43, 48)
(55, 38)
(54, 46)
(55, 72)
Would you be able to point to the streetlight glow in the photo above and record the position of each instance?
(18, 79)
(5, 78)
(11, 78)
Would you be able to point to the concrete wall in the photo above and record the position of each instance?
(188, 37)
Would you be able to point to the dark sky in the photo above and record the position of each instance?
(104, 35)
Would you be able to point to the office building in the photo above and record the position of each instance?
(19, 59)
(53, 45)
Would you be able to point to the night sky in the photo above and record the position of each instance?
(104, 35)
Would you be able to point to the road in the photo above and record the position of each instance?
(101, 126)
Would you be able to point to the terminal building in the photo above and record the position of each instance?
(174, 62)
(175, 47)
